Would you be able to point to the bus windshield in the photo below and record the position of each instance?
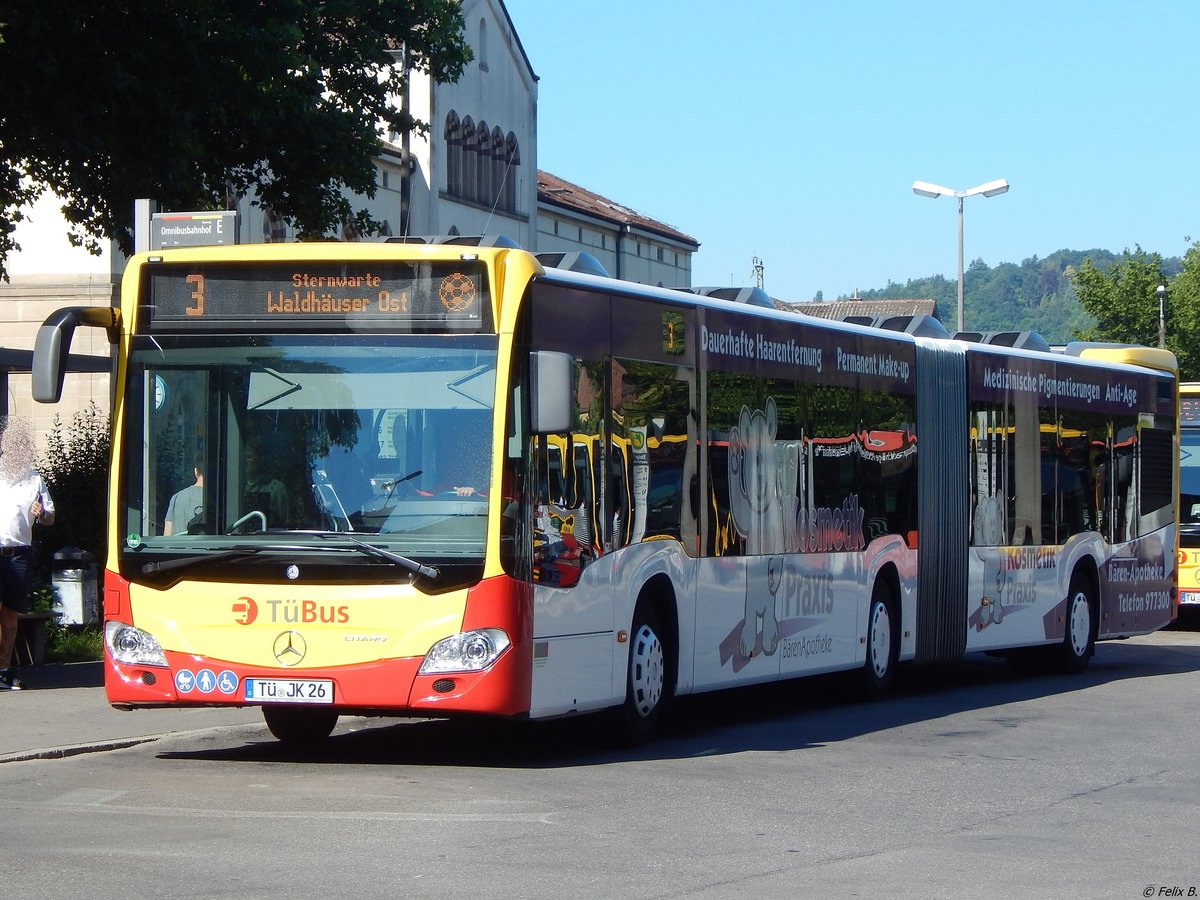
(252, 440)
(1189, 480)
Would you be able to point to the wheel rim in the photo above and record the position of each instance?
(1079, 624)
(646, 671)
(880, 644)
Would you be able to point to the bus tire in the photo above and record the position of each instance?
(648, 683)
(299, 726)
(1079, 633)
(882, 650)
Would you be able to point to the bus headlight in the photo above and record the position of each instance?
(469, 651)
(133, 646)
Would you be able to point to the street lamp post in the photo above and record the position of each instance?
(1161, 290)
(990, 189)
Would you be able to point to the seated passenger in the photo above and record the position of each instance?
(462, 463)
(264, 493)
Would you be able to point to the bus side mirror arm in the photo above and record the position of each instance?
(53, 345)
(549, 392)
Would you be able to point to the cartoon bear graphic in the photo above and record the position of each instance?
(991, 605)
(762, 502)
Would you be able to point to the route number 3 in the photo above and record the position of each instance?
(197, 283)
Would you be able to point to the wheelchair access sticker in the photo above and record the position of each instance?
(206, 682)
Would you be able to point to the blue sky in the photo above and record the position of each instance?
(793, 131)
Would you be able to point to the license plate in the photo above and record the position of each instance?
(288, 690)
(1189, 596)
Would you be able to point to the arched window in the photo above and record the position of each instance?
(498, 168)
(483, 48)
(512, 157)
(469, 190)
(454, 155)
(483, 165)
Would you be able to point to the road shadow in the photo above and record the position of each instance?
(791, 715)
(52, 676)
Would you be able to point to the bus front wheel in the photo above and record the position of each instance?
(648, 685)
(299, 726)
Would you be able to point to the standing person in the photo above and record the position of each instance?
(24, 500)
(185, 506)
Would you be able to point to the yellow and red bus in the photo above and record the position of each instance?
(1189, 497)
(438, 478)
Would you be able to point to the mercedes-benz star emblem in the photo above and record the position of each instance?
(289, 648)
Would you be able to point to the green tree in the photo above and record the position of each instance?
(75, 469)
(106, 101)
(1122, 297)
(1183, 315)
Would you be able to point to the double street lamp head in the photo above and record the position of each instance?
(988, 189)
(933, 191)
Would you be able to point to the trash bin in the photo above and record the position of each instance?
(74, 582)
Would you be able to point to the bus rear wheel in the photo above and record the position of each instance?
(880, 664)
(648, 685)
(299, 726)
(1079, 638)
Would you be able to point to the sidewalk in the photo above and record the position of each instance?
(64, 712)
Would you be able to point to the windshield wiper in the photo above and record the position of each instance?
(243, 552)
(239, 552)
(184, 562)
(412, 565)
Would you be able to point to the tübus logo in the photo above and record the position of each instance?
(245, 611)
(307, 612)
(291, 612)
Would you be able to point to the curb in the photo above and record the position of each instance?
(74, 750)
(68, 750)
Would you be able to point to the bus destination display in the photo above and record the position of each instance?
(357, 296)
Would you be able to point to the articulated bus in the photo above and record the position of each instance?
(1189, 496)
(439, 478)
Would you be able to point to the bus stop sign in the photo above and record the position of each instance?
(193, 229)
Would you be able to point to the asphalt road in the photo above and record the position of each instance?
(967, 782)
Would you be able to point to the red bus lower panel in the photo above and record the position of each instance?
(390, 685)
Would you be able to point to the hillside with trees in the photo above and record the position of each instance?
(1076, 295)
(1038, 294)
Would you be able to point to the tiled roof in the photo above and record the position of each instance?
(840, 309)
(556, 191)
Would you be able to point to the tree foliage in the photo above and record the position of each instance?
(75, 469)
(1183, 315)
(106, 101)
(1045, 295)
(1122, 297)
(1036, 295)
